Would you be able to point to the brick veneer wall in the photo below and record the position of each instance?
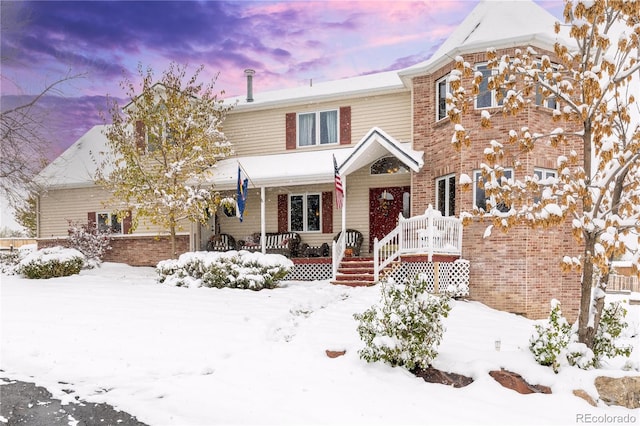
(133, 250)
(518, 271)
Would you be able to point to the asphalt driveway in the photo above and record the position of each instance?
(23, 403)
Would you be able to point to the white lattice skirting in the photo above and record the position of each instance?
(452, 277)
(310, 272)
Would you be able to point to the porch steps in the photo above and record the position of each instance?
(357, 272)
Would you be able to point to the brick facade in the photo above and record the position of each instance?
(132, 249)
(518, 271)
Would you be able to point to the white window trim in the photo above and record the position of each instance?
(477, 174)
(447, 90)
(305, 222)
(317, 118)
(446, 179)
(545, 173)
(494, 100)
(545, 101)
(110, 216)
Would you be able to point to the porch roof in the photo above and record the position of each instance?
(306, 167)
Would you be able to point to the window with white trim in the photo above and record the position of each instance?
(446, 195)
(305, 212)
(108, 222)
(442, 88)
(550, 101)
(479, 194)
(318, 128)
(486, 98)
(542, 175)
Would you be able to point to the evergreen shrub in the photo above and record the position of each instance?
(405, 328)
(51, 262)
(233, 269)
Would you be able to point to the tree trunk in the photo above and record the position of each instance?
(174, 251)
(586, 329)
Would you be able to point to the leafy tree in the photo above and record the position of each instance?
(597, 187)
(162, 148)
(25, 214)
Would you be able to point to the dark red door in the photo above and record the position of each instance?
(385, 205)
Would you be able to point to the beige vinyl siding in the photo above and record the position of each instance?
(357, 185)
(263, 131)
(58, 207)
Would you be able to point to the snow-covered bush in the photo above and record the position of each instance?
(235, 269)
(51, 262)
(550, 339)
(90, 241)
(405, 328)
(556, 341)
(612, 324)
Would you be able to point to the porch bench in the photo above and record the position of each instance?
(285, 243)
(221, 242)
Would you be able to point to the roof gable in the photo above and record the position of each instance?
(493, 24)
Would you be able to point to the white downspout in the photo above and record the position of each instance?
(263, 220)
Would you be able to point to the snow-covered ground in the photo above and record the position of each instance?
(204, 356)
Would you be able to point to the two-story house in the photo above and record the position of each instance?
(391, 140)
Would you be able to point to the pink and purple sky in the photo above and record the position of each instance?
(287, 43)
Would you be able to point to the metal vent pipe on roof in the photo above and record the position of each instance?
(249, 73)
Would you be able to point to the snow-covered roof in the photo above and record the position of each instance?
(305, 167)
(496, 24)
(76, 166)
(364, 85)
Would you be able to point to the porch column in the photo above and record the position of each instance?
(344, 212)
(263, 220)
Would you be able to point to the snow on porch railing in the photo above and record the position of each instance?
(430, 233)
(337, 253)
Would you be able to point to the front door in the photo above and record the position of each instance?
(385, 205)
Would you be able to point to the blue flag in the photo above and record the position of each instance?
(241, 196)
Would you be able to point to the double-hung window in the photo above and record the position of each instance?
(305, 212)
(446, 195)
(318, 128)
(479, 194)
(486, 98)
(107, 222)
(550, 101)
(542, 175)
(442, 88)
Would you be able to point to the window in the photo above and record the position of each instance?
(486, 98)
(318, 128)
(388, 165)
(446, 195)
(479, 195)
(442, 88)
(549, 102)
(305, 213)
(542, 174)
(108, 221)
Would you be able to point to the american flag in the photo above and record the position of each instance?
(338, 181)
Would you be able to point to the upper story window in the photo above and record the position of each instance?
(107, 222)
(388, 165)
(442, 88)
(549, 102)
(479, 195)
(318, 128)
(486, 98)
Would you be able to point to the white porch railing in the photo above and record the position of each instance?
(337, 253)
(430, 233)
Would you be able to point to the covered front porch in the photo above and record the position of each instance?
(291, 208)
